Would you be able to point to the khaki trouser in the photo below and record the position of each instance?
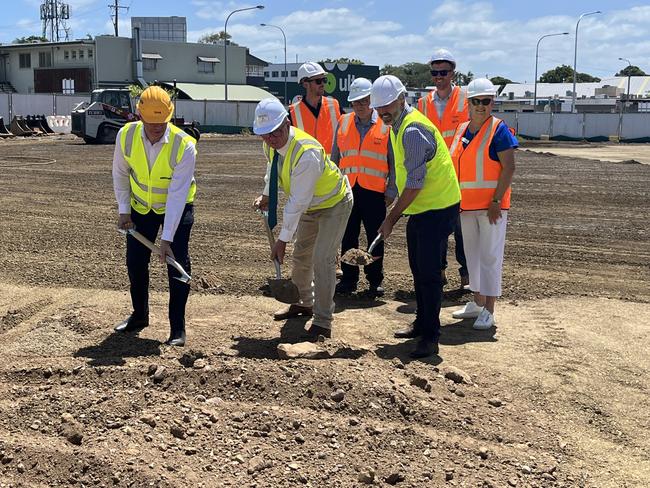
(314, 258)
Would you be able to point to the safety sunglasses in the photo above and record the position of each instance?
(319, 81)
(480, 101)
(441, 72)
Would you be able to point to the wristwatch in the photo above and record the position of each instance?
(496, 200)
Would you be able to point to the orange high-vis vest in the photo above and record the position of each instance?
(321, 128)
(364, 162)
(478, 174)
(455, 112)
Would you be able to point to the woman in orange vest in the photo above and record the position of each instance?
(483, 155)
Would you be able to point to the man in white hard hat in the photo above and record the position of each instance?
(317, 209)
(428, 194)
(446, 107)
(361, 150)
(315, 114)
(483, 153)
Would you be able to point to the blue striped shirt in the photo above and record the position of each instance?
(419, 147)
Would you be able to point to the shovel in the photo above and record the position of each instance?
(184, 277)
(357, 257)
(283, 290)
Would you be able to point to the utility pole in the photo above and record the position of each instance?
(117, 8)
(54, 13)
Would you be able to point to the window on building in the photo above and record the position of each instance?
(294, 73)
(274, 74)
(81, 53)
(149, 64)
(266, 74)
(45, 60)
(25, 60)
(74, 54)
(283, 74)
(90, 54)
(205, 67)
(66, 54)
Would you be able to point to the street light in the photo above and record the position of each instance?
(285, 59)
(627, 97)
(575, 58)
(536, 57)
(225, 46)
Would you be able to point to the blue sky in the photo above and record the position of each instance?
(487, 37)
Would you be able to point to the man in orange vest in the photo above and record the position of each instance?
(361, 151)
(446, 107)
(316, 114)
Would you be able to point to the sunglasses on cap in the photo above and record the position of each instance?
(440, 72)
(480, 101)
(319, 81)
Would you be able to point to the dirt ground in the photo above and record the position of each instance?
(600, 151)
(556, 396)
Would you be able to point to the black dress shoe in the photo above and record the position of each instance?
(343, 288)
(317, 330)
(176, 339)
(425, 348)
(131, 325)
(376, 291)
(411, 332)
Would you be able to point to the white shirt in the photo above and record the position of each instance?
(178, 189)
(304, 176)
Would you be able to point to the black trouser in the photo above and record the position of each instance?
(460, 251)
(137, 263)
(369, 208)
(426, 234)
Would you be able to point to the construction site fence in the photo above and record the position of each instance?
(595, 127)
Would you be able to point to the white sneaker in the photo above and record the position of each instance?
(484, 321)
(470, 311)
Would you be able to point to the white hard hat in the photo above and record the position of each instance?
(269, 115)
(385, 90)
(360, 88)
(443, 55)
(481, 87)
(310, 69)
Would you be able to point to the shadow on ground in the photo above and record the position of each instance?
(113, 350)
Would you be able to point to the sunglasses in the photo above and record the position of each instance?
(441, 72)
(480, 101)
(319, 81)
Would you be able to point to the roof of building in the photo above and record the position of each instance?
(639, 86)
(238, 93)
(254, 60)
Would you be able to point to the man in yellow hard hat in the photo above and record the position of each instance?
(153, 179)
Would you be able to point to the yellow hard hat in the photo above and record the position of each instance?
(155, 106)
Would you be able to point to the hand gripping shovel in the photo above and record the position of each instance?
(184, 277)
(357, 257)
(283, 290)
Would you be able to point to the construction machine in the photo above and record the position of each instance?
(109, 109)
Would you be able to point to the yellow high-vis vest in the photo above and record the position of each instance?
(440, 188)
(330, 188)
(149, 188)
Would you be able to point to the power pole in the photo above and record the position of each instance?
(116, 7)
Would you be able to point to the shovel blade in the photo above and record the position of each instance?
(284, 290)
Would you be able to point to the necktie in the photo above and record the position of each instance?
(273, 192)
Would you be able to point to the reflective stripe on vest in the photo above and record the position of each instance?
(440, 188)
(330, 187)
(321, 128)
(455, 112)
(478, 191)
(149, 187)
(364, 161)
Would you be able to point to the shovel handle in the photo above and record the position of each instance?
(278, 273)
(269, 232)
(374, 243)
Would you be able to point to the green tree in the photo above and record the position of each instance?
(411, 74)
(564, 74)
(463, 79)
(217, 38)
(500, 80)
(29, 39)
(631, 71)
(342, 60)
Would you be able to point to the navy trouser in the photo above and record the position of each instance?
(426, 234)
(460, 251)
(370, 209)
(137, 263)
